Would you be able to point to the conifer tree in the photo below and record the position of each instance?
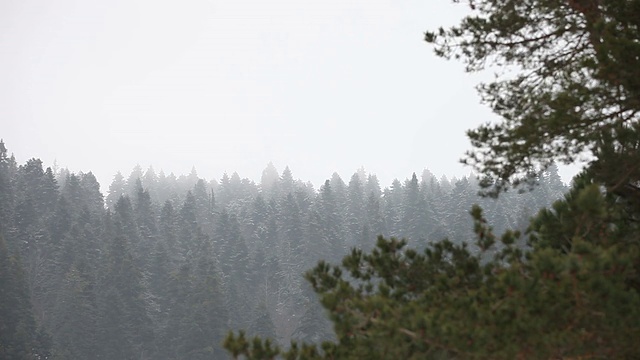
(75, 315)
(286, 181)
(414, 212)
(575, 87)
(269, 181)
(116, 190)
(331, 218)
(262, 325)
(355, 213)
(6, 189)
(17, 328)
(124, 325)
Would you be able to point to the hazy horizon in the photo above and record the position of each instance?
(320, 86)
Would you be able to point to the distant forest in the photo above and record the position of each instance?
(163, 266)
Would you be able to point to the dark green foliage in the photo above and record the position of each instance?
(575, 88)
(571, 300)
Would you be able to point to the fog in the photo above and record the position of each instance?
(163, 267)
(226, 86)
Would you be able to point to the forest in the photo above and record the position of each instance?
(163, 266)
(507, 263)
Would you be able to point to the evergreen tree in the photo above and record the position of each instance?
(169, 231)
(6, 189)
(145, 220)
(132, 181)
(373, 186)
(375, 224)
(116, 190)
(17, 328)
(150, 183)
(48, 191)
(287, 183)
(355, 213)
(189, 231)
(565, 100)
(233, 257)
(393, 207)
(92, 198)
(414, 212)
(462, 196)
(208, 319)
(314, 327)
(269, 181)
(331, 220)
(75, 315)
(167, 188)
(262, 325)
(291, 231)
(124, 325)
(204, 205)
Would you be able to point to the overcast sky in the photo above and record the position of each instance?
(229, 85)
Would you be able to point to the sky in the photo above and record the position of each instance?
(230, 85)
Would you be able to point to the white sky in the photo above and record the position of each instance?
(229, 85)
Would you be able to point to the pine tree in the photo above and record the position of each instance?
(269, 181)
(75, 315)
(414, 212)
(233, 257)
(392, 200)
(375, 224)
(169, 231)
(132, 181)
(462, 196)
(124, 325)
(355, 214)
(561, 101)
(17, 328)
(150, 183)
(373, 186)
(6, 189)
(262, 325)
(208, 319)
(287, 183)
(331, 220)
(92, 198)
(314, 327)
(116, 190)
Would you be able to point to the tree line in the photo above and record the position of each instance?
(164, 266)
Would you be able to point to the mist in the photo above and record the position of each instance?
(322, 87)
